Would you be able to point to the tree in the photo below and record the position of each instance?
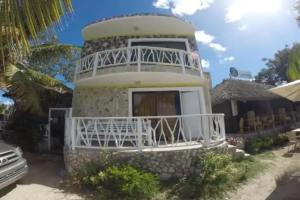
(32, 91)
(276, 70)
(54, 59)
(21, 22)
(294, 63)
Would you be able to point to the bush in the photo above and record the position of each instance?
(281, 140)
(256, 145)
(124, 182)
(217, 176)
(253, 146)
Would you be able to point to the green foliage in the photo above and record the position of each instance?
(217, 175)
(21, 21)
(256, 145)
(281, 140)
(283, 67)
(276, 70)
(33, 91)
(117, 182)
(54, 59)
(294, 63)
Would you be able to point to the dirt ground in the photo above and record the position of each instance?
(42, 182)
(281, 181)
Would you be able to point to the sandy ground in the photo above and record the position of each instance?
(42, 181)
(269, 185)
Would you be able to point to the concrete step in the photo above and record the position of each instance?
(237, 153)
(231, 148)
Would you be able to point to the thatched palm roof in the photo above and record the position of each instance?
(240, 90)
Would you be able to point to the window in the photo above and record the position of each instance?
(181, 44)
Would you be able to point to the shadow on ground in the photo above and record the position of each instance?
(288, 187)
(46, 173)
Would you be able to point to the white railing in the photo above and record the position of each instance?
(147, 132)
(139, 55)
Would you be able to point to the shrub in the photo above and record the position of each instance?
(256, 145)
(281, 140)
(125, 182)
(216, 176)
(253, 146)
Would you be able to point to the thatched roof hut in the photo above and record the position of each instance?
(235, 98)
(240, 90)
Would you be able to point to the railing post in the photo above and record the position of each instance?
(73, 133)
(139, 59)
(222, 124)
(206, 129)
(95, 64)
(200, 66)
(182, 61)
(139, 132)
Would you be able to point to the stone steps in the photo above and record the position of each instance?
(237, 153)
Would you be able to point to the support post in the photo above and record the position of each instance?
(182, 61)
(73, 132)
(139, 132)
(139, 59)
(95, 64)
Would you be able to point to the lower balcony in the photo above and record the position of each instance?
(145, 133)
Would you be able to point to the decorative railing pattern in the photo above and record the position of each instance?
(139, 55)
(147, 132)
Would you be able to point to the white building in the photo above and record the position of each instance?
(140, 87)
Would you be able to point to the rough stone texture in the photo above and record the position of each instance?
(92, 46)
(96, 102)
(167, 164)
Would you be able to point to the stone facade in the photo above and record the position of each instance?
(166, 164)
(92, 46)
(100, 102)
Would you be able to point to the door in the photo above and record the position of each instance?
(57, 128)
(190, 104)
(159, 104)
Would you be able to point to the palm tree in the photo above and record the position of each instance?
(21, 22)
(32, 91)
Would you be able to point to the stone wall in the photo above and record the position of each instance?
(92, 46)
(167, 164)
(104, 102)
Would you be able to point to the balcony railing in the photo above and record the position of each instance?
(145, 132)
(138, 56)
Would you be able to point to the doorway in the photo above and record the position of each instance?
(165, 103)
(57, 128)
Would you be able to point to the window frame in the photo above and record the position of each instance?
(183, 40)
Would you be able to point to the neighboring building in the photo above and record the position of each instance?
(140, 87)
(235, 98)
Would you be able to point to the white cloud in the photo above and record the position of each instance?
(217, 47)
(205, 63)
(183, 7)
(243, 27)
(241, 8)
(203, 37)
(229, 59)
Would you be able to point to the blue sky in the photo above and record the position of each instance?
(230, 33)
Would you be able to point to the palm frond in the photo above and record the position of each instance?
(33, 91)
(293, 71)
(22, 20)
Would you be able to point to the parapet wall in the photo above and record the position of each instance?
(167, 164)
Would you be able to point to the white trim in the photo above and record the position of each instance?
(186, 41)
(199, 90)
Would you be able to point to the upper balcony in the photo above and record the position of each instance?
(154, 65)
